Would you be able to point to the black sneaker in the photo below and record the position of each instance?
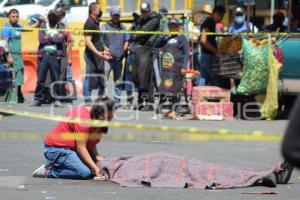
(21, 100)
(283, 176)
(36, 104)
(268, 181)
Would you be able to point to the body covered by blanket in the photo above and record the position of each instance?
(165, 170)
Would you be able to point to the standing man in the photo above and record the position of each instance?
(49, 51)
(11, 33)
(70, 148)
(209, 49)
(240, 23)
(127, 75)
(163, 12)
(143, 59)
(117, 45)
(277, 25)
(94, 55)
(65, 59)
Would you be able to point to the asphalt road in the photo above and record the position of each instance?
(19, 157)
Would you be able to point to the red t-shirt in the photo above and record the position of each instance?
(54, 138)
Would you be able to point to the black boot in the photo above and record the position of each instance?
(283, 176)
(20, 95)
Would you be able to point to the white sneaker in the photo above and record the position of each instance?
(58, 104)
(40, 172)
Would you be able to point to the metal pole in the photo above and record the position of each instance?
(248, 15)
(272, 10)
(254, 16)
(290, 15)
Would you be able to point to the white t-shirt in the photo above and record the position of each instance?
(3, 44)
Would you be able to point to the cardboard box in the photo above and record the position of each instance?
(210, 94)
(213, 109)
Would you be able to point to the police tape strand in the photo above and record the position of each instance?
(167, 137)
(177, 133)
(153, 32)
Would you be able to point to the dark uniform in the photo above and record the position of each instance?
(142, 61)
(95, 78)
(127, 76)
(50, 49)
(63, 62)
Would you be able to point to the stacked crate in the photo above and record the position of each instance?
(208, 101)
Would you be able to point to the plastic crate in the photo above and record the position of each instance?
(228, 66)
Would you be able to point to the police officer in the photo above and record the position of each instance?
(50, 44)
(142, 57)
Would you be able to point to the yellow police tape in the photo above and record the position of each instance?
(151, 32)
(157, 137)
(175, 133)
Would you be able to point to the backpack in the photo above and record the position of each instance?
(6, 77)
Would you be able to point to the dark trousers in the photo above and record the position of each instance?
(143, 74)
(47, 63)
(127, 79)
(95, 77)
(211, 78)
(172, 100)
(63, 62)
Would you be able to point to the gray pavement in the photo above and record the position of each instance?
(18, 158)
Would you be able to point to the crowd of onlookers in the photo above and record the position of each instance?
(149, 64)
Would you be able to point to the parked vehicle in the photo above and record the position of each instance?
(290, 74)
(41, 7)
(8, 3)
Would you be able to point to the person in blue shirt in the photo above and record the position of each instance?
(240, 23)
(11, 33)
(116, 44)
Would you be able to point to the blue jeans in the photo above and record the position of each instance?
(91, 65)
(116, 66)
(65, 163)
(211, 78)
